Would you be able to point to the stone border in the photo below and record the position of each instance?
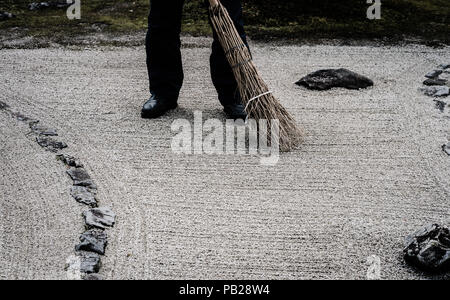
(86, 261)
(438, 88)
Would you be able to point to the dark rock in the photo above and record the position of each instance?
(81, 177)
(331, 78)
(6, 15)
(89, 262)
(83, 195)
(434, 74)
(440, 105)
(69, 161)
(20, 117)
(3, 105)
(435, 81)
(436, 91)
(42, 130)
(444, 66)
(49, 4)
(50, 144)
(92, 277)
(429, 248)
(446, 148)
(99, 217)
(93, 240)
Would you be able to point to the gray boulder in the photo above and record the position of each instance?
(444, 66)
(331, 78)
(429, 248)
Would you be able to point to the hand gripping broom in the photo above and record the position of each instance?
(258, 100)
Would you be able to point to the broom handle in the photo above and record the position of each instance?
(213, 3)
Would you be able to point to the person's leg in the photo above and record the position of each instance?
(164, 64)
(221, 73)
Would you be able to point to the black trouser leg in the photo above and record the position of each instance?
(221, 73)
(163, 44)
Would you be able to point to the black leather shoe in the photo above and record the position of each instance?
(235, 111)
(156, 107)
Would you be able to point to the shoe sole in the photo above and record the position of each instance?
(147, 115)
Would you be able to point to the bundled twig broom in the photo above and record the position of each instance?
(258, 100)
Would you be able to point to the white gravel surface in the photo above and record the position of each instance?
(370, 172)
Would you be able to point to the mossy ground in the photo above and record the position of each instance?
(427, 20)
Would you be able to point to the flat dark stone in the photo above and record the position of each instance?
(92, 277)
(436, 91)
(435, 81)
(20, 117)
(70, 161)
(93, 240)
(429, 248)
(83, 195)
(50, 144)
(444, 66)
(3, 105)
(446, 148)
(440, 105)
(90, 262)
(42, 130)
(101, 217)
(81, 177)
(334, 78)
(434, 74)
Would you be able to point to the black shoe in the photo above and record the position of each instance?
(156, 107)
(235, 111)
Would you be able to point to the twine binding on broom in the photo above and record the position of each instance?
(257, 97)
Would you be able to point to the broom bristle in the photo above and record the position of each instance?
(255, 94)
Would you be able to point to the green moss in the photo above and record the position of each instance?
(265, 19)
